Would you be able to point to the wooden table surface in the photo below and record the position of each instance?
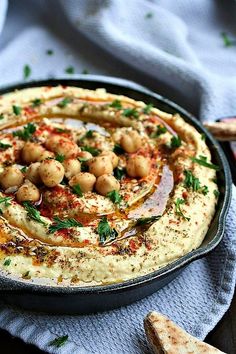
(223, 337)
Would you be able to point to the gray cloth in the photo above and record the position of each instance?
(175, 48)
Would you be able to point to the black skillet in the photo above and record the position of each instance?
(71, 300)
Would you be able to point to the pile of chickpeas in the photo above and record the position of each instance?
(44, 169)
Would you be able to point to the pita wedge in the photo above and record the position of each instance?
(165, 337)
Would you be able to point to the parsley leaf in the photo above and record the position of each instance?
(202, 160)
(119, 173)
(27, 71)
(115, 197)
(88, 135)
(60, 157)
(36, 102)
(160, 130)
(178, 210)
(7, 262)
(26, 133)
(148, 108)
(32, 212)
(59, 224)
(203, 136)
(144, 221)
(92, 150)
(16, 110)
(4, 146)
(130, 112)
(118, 149)
(77, 190)
(116, 104)
(105, 232)
(228, 42)
(1, 116)
(191, 181)
(6, 201)
(49, 52)
(216, 193)
(24, 169)
(175, 142)
(204, 190)
(59, 341)
(63, 103)
(70, 70)
(149, 15)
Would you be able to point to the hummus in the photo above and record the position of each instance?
(97, 188)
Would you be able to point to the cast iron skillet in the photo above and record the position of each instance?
(90, 299)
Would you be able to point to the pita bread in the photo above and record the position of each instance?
(222, 131)
(165, 337)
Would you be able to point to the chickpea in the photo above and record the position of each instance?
(28, 192)
(72, 167)
(100, 165)
(85, 180)
(62, 146)
(106, 183)
(32, 173)
(85, 155)
(11, 177)
(114, 158)
(131, 141)
(45, 155)
(31, 152)
(138, 166)
(51, 172)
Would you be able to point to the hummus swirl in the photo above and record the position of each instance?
(97, 188)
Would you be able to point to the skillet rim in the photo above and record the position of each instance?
(20, 287)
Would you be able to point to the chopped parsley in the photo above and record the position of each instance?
(70, 70)
(4, 146)
(7, 262)
(130, 112)
(85, 72)
(49, 52)
(6, 201)
(36, 102)
(60, 157)
(204, 190)
(216, 193)
(77, 190)
(24, 169)
(145, 221)
(116, 104)
(92, 150)
(118, 149)
(147, 108)
(88, 135)
(175, 142)
(32, 212)
(59, 341)
(26, 275)
(59, 224)
(27, 132)
(191, 181)
(149, 15)
(105, 232)
(60, 130)
(115, 197)
(119, 173)
(203, 136)
(26, 71)
(160, 130)
(1, 116)
(63, 103)
(178, 210)
(16, 110)
(202, 160)
(228, 42)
